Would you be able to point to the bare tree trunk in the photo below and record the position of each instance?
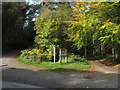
(98, 49)
(116, 55)
(85, 51)
(93, 52)
(113, 51)
(42, 3)
(102, 50)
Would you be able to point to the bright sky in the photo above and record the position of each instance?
(33, 2)
(30, 2)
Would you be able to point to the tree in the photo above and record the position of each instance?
(15, 24)
(49, 28)
(13, 21)
(91, 25)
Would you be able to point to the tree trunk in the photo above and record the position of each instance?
(85, 51)
(93, 52)
(116, 55)
(98, 49)
(42, 3)
(102, 49)
(113, 51)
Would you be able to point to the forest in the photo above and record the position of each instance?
(88, 30)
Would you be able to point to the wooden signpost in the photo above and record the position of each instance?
(63, 53)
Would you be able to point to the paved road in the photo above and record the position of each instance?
(13, 71)
(17, 85)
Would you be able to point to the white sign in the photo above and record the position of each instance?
(63, 53)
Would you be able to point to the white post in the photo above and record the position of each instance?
(60, 57)
(42, 3)
(66, 59)
(54, 53)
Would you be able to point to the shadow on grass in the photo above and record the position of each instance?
(63, 69)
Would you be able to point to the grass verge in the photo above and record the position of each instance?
(48, 65)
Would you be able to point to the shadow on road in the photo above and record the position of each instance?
(49, 79)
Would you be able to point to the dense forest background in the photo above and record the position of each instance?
(88, 29)
(15, 33)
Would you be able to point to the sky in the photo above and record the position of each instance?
(33, 2)
(30, 3)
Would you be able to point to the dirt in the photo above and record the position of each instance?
(102, 67)
(99, 75)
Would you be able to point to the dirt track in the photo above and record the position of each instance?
(14, 71)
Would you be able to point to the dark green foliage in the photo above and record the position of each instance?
(14, 33)
(78, 58)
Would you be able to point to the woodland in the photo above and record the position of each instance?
(88, 30)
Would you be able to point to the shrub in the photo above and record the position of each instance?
(35, 55)
(80, 59)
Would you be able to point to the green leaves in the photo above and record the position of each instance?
(96, 26)
(49, 29)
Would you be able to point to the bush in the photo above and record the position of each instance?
(35, 55)
(80, 59)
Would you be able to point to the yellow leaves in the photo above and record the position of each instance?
(98, 3)
(108, 20)
(82, 6)
(106, 23)
(116, 32)
(103, 26)
(84, 31)
(31, 52)
(34, 51)
(36, 20)
(110, 23)
(67, 21)
(95, 5)
(77, 34)
(86, 8)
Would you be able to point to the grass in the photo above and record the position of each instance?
(48, 65)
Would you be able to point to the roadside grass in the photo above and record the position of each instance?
(48, 65)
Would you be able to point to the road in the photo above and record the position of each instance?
(15, 72)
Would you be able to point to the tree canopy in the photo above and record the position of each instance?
(94, 24)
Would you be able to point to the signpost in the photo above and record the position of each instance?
(54, 53)
(63, 53)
